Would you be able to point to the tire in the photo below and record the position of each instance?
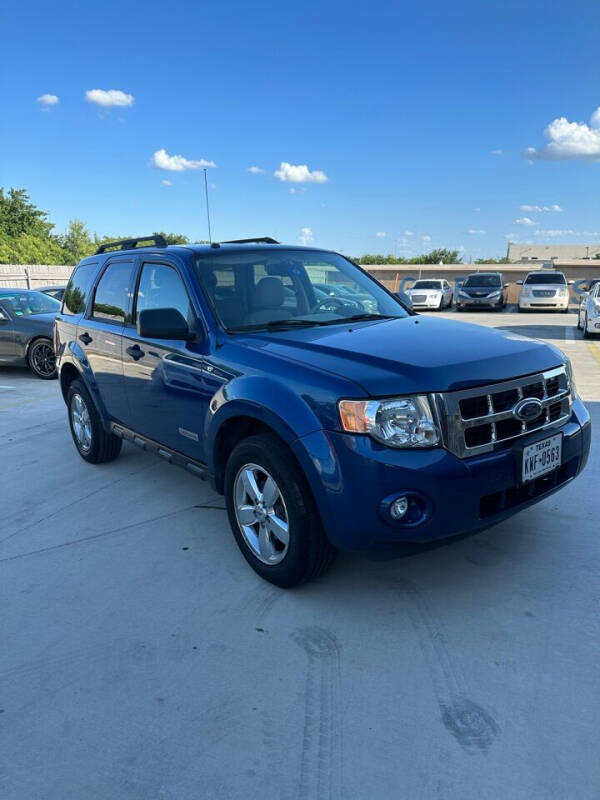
(41, 359)
(93, 443)
(586, 333)
(578, 321)
(308, 553)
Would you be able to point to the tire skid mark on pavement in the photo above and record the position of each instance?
(322, 745)
(473, 727)
(95, 536)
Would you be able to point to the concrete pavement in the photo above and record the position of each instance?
(142, 658)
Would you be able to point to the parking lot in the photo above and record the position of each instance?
(142, 658)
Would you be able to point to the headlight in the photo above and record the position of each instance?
(596, 307)
(397, 422)
(525, 292)
(570, 376)
(563, 291)
(495, 294)
(462, 294)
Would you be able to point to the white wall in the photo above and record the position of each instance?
(24, 276)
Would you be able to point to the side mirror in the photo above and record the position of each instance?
(570, 283)
(163, 323)
(506, 285)
(519, 283)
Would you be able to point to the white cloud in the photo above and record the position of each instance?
(426, 238)
(380, 234)
(255, 170)
(555, 232)
(162, 160)
(475, 231)
(554, 207)
(299, 173)
(497, 152)
(166, 183)
(570, 140)
(476, 210)
(306, 236)
(109, 97)
(46, 101)
(524, 221)
(409, 233)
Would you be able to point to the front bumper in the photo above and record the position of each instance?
(351, 475)
(557, 303)
(479, 302)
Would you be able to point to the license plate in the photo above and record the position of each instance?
(542, 457)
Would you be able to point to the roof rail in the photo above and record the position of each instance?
(130, 244)
(257, 240)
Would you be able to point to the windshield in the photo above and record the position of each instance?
(253, 290)
(483, 280)
(546, 277)
(27, 303)
(427, 285)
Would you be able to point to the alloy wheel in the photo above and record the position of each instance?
(82, 424)
(43, 359)
(261, 514)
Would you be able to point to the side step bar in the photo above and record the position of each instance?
(196, 468)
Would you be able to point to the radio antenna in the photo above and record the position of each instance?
(207, 206)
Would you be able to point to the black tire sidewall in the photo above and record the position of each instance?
(303, 520)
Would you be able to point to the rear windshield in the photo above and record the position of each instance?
(483, 280)
(427, 285)
(546, 277)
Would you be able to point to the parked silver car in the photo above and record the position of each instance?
(588, 319)
(26, 330)
(544, 291)
(431, 294)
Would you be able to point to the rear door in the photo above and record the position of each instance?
(8, 350)
(100, 333)
(164, 381)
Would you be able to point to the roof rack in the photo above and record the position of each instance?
(130, 244)
(257, 240)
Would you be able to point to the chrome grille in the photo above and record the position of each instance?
(543, 292)
(419, 298)
(480, 420)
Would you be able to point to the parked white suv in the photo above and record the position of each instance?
(544, 291)
(588, 319)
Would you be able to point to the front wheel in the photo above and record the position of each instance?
(41, 359)
(93, 443)
(272, 513)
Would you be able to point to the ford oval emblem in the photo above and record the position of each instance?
(528, 409)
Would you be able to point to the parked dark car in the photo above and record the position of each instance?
(56, 292)
(324, 428)
(482, 290)
(26, 330)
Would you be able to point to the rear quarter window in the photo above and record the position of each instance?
(78, 288)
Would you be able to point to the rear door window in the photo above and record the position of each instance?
(112, 300)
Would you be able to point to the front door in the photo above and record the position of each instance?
(100, 335)
(167, 395)
(7, 334)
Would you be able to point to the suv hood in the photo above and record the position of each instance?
(412, 355)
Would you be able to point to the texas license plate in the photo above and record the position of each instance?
(542, 457)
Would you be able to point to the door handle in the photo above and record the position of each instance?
(136, 352)
(85, 338)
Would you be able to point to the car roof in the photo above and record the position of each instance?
(479, 274)
(546, 272)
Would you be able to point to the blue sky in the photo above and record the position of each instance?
(395, 108)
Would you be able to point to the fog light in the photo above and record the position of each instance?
(399, 508)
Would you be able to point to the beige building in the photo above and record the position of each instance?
(552, 252)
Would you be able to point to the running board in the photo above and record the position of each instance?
(196, 468)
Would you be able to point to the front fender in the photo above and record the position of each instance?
(265, 399)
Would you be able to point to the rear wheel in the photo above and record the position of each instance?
(41, 359)
(272, 513)
(93, 443)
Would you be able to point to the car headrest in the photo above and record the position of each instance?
(268, 293)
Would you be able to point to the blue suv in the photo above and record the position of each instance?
(328, 420)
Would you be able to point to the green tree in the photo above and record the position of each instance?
(172, 238)
(19, 216)
(77, 242)
(440, 256)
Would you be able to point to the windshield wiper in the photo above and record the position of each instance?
(359, 318)
(280, 324)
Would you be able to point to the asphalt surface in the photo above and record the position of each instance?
(141, 658)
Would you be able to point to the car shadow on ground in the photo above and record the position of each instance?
(534, 330)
